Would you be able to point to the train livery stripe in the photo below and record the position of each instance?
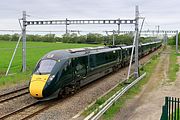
(37, 85)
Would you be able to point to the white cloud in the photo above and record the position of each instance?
(157, 12)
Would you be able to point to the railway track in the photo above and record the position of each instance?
(18, 110)
(13, 94)
(42, 107)
(32, 108)
(35, 113)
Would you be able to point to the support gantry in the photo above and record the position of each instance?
(24, 42)
(67, 22)
(136, 69)
(177, 51)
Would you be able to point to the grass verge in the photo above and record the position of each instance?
(102, 100)
(14, 79)
(173, 66)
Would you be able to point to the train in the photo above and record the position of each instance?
(63, 72)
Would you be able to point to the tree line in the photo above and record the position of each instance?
(172, 40)
(91, 38)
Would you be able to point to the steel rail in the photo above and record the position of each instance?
(11, 92)
(47, 106)
(18, 110)
(35, 113)
(12, 97)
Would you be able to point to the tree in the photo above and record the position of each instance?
(172, 40)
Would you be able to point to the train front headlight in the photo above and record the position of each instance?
(51, 78)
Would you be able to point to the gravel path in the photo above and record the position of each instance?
(66, 108)
(148, 104)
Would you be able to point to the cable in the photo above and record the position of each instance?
(20, 23)
(37, 17)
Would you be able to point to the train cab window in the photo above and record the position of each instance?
(80, 65)
(45, 66)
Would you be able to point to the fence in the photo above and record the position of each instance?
(170, 110)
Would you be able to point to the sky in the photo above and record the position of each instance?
(165, 13)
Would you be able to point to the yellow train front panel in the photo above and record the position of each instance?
(37, 85)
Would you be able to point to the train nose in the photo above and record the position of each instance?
(37, 85)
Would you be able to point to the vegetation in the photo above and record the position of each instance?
(173, 66)
(35, 50)
(101, 100)
(74, 38)
(38, 45)
(172, 40)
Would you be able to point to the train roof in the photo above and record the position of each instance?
(130, 46)
(151, 43)
(71, 53)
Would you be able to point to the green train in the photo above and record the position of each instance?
(62, 72)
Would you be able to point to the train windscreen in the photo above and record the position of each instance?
(45, 66)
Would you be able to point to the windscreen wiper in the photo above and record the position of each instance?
(39, 71)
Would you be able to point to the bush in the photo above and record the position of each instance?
(172, 40)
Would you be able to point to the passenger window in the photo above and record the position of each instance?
(100, 59)
(92, 61)
(79, 67)
(111, 56)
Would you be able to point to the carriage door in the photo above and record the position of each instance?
(80, 67)
(66, 75)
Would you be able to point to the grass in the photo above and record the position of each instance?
(173, 66)
(101, 100)
(35, 50)
(113, 110)
(175, 114)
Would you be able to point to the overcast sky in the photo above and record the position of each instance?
(165, 13)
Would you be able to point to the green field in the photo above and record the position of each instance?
(35, 50)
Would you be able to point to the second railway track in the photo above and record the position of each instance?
(13, 94)
(28, 111)
(18, 110)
